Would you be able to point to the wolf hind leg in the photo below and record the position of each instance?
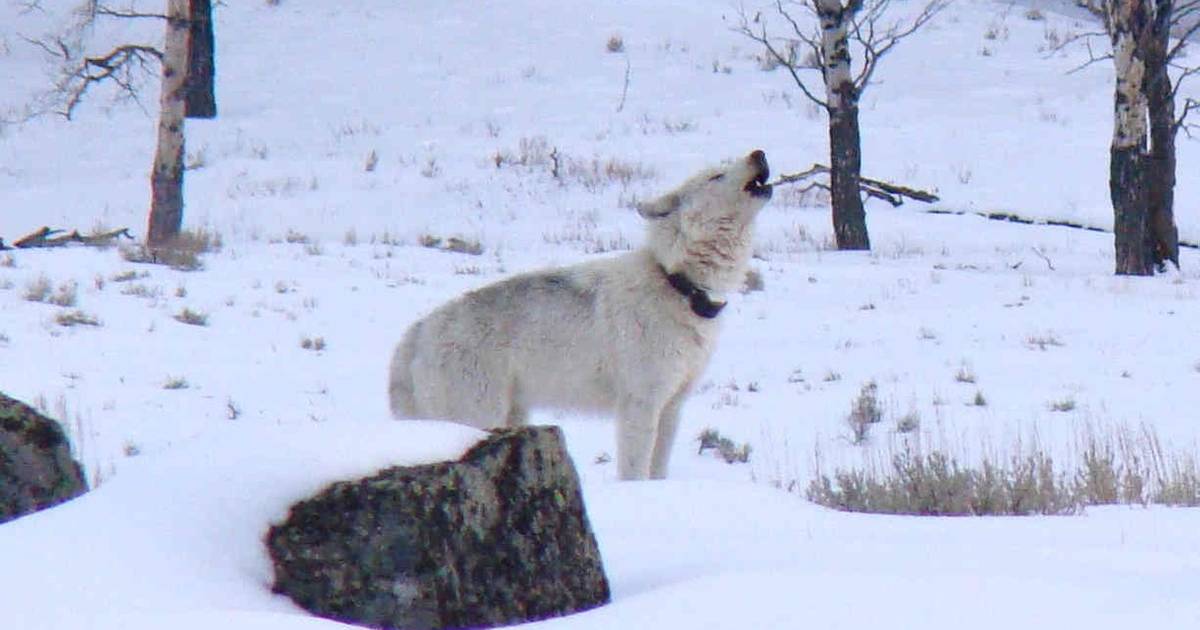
(401, 392)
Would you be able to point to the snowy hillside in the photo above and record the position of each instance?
(350, 134)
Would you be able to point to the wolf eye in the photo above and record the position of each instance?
(716, 177)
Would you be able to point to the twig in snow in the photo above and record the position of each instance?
(625, 89)
(1044, 257)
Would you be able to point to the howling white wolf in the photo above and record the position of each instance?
(627, 335)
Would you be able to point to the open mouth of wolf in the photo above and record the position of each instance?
(758, 186)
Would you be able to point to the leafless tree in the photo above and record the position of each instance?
(1146, 122)
(1148, 38)
(842, 41)
(125, 66)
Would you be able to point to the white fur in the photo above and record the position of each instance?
(609, 336)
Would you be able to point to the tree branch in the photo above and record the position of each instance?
(128, 13)
(1070, 40)
(1181, 122)
(116, 66)
(56, 47)
(1092, 58)
(29, 6)
(817, 169)
(789, 62)
(1184, 37)
(1185, 72)
(876, 45)
(879, 189)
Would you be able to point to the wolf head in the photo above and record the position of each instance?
(703, 228)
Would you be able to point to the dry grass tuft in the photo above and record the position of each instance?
(75, 318)
(192, 318)
(66, 295)
(41, 289)
(964, 375)
(865, 412)
(725, 448)
(316, 344)
(936, 484)
(1116, 466)
(38, 289)
(182, 253)
(453, 244)
(754, 281)
(594, 174)
(128, 276)
(1041, 342)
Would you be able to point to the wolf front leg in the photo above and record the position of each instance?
(637, 428)
(668, 424)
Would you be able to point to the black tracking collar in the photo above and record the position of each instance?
(701, 304)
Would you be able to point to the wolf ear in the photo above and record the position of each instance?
(661, 207)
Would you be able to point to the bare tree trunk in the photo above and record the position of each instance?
(201, 95)
(845, 147)
(166, 179)
(1130, 228)
(1160, 166)
(845, 155)
(1127, 168)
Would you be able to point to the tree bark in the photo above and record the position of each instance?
(845, 156)
(1127, 166)
(1131, 236)
(845, 147)
(201, 94)
(166, 178)
(1160, 165)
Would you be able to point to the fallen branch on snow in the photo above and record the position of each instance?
(46, 237)
(891, 193)
(1016, 218)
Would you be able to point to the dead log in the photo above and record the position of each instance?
(894, 194)
(997, 215)
(896, 191)
(65, 239)
(105, 239)
(47, 237)
(36, 239)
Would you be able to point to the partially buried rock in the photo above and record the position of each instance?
(498, 537)
(36, 468)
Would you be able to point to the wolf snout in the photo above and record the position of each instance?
(757, 186)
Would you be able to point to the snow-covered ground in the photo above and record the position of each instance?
(461, 104)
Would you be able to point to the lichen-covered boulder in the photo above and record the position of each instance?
(498, 537)
(36, 468)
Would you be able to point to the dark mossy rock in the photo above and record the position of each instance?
(496, 538)
(36, 468)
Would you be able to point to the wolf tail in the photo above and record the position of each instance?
(401, 393)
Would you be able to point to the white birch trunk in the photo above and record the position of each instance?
(835, 23)
(166, 178)
(1129, 124)
(1127, 178)
(845, 145)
